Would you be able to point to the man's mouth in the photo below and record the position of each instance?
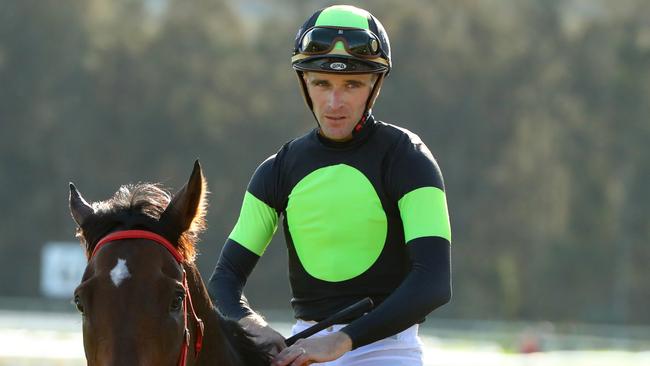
(335, 118)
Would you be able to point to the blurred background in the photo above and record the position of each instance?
(537, 112)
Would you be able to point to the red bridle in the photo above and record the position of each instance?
(148, 235)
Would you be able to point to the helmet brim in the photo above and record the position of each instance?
(339, 64)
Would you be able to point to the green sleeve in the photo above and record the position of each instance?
(256, 224)
(424, 213)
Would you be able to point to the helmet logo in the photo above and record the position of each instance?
(338, 66)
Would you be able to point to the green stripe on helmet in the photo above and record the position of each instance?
(339, 46)
(343, 16)
(424, 213)
(255, 214)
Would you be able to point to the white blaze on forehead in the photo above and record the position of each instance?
(120, 272)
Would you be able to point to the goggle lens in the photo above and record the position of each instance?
(357, 42)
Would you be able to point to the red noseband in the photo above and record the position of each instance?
(148, 235)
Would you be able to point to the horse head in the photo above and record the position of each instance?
(134, 293)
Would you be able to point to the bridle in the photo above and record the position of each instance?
(187, 300)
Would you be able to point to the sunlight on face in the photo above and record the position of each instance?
(339, 101)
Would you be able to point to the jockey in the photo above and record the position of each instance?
(362, 204)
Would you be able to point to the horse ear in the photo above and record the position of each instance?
(187, 207)
(79, 208)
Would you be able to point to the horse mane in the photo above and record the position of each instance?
(139, 206)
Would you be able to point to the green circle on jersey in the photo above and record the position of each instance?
(337, 223)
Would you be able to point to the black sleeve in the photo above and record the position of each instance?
(426, 287)
(238, 257)
(227, 282)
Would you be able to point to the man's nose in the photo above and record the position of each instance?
(335, 100)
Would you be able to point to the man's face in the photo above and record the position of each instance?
(339, 101)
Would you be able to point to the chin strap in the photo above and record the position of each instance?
(305, 94)
(361, 123)
(376, 88)
(375, 92)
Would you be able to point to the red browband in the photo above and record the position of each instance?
(139, 234)
(148, 235)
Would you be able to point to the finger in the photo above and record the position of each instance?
(302, 360)
(288, 355)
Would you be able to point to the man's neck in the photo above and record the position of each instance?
(345, 139)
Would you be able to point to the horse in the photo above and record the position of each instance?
(142, 298)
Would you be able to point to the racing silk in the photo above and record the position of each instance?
(366, 217)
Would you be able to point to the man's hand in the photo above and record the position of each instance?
(262, 333)
(318, 349)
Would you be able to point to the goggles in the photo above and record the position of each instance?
(359, 43)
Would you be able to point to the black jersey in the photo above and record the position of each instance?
(366, 217)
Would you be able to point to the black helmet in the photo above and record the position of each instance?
(342, 39)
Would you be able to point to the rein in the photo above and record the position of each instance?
(187, 300)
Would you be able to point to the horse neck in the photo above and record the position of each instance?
(200, 298)
(205, 311)
(224, 342)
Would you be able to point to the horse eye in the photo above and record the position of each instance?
(78, 304)
(177, 303)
